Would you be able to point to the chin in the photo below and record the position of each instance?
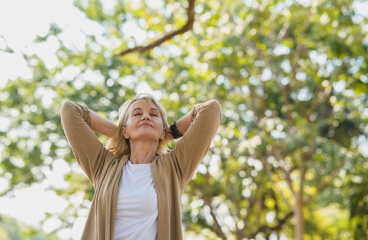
(146, 137)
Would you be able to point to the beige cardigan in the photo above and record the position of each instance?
(170, 173)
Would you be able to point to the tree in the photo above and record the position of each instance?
(291, 79)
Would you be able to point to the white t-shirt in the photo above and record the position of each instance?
(137, 209)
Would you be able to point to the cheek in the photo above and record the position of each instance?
(132, 122)
(130, 126)
(159, 124)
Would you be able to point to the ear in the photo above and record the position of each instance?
(124, 132)
(163, 134)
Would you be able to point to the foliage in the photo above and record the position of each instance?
(11, 229)
(292, 82)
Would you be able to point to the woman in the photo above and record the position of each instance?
(138, 184)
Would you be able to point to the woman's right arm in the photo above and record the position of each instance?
(102, 125)
(88, 150)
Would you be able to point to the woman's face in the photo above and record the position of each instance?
(144, 122)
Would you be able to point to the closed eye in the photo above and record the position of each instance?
(140, 114)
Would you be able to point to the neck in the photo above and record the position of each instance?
(142, 151)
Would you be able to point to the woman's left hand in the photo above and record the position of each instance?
(169, 137)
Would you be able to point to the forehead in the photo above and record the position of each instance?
(142, 104)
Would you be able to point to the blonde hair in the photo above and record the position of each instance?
(118, 144)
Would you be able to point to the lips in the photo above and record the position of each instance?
(145, 124)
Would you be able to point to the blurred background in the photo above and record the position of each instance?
(290, 158)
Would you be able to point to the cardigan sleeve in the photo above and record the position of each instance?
(88, 150)
(196, 141)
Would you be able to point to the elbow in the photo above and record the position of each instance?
(66, 105)
(215, 107)
(211, 108)
(214, 104)
(64, 109)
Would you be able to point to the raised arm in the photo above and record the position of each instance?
(182, 125)
(193, 146)
(88, 150)
(102, 125)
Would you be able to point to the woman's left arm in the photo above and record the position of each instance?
(182, 125)
(198, 127)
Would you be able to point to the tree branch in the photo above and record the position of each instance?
(274, 183)
(279, 157)
(303, 170)
(314, 101)
(320, 89)
(218, 230)
(282, 32)
(286, 100)
(322, 186)
(280, 36)
(188, 26)
(277, 228)
(239, 232)
(207, 199)
(250, 209)
(260, 71)
(294, 66)
(253, 104)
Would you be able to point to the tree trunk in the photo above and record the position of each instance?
(298, 213)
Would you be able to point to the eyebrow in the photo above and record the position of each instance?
(150, 109)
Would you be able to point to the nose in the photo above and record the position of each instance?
(146, 116)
